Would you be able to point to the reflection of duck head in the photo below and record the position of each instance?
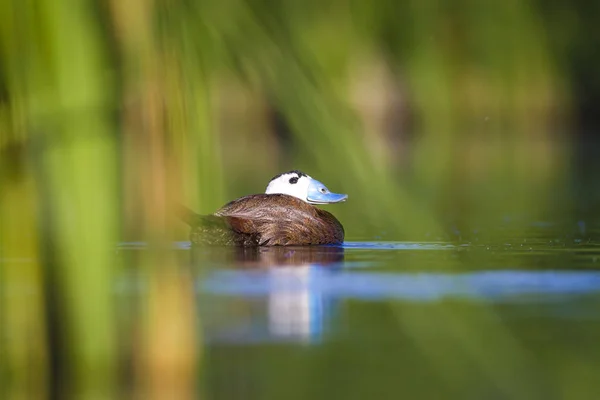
(284, 215)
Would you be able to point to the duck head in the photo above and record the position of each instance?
(298, 184)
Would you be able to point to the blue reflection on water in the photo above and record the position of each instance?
(505, 285)
(337, 280)
(266, 303)
(184, 245)
(398, 246)
(301, 309)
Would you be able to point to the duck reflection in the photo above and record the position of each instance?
(290, 256)
(269, 293)
(267, 257)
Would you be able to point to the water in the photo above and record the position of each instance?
(517, 319)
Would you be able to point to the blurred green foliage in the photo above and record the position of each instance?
(425, 112)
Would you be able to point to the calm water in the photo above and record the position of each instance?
(517, 319)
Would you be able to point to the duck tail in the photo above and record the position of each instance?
(187, 215)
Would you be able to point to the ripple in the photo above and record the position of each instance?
(399, 245)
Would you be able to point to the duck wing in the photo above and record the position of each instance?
(264, 220)
(280, 220)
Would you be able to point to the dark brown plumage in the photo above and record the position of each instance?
(265, 220)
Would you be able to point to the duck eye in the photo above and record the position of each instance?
(294, 180)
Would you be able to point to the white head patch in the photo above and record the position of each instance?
(293, 183)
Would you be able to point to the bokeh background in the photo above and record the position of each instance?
(443, 121)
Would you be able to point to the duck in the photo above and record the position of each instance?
(284, 215)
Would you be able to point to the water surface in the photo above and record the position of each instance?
(517, 319)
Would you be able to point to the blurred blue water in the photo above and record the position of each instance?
(274, 295)
(492, 286)
(383, 314)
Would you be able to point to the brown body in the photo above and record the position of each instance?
(265, 220)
